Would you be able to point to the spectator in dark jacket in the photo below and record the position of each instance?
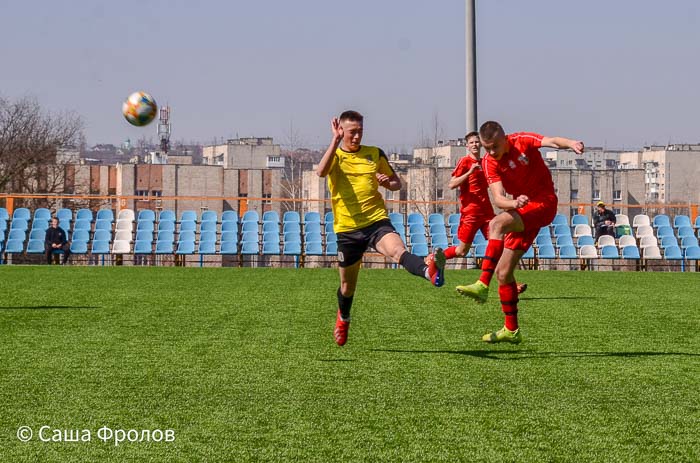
(604, 221)
(56, 240)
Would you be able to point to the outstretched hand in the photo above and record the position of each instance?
(336, 129)
(577, 146)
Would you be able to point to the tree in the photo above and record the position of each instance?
(29, 142)
(297, 160)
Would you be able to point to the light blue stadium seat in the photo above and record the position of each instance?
(673, 253)
(229, 237)
(188, 216)
(438, 229)
(166, 226)
(100, 247)
(546, 251)
(271, 248)
(661, 220)
(579, 219)
(667, 241)
(454, 229)
(84, 214)
(166, 236)
(17, 235)
(19, 224)
(250, 216)
(529, 254)
(103, 224)
(562, 230)
(292, 237)
(313, 248)
(271, 237)
(685, 231)
(229, 226)
(664, 230)
(188, 225)
(249, 227)
(291, 216)
(692, 253)
(415, 218)
(209, 216)
(681, 221)
(4, 214)
(312, 217)
(418, 238)
(696, 225)
(228, 248)
(187, 235)
(584, 240)
(331, 237)
(143, 246)
(292, 248)
(453, 219)
(41, 224)
(480, 250)
(249, 248)
(145, 225)
(560, 219)
(630, 252)
(229, 216)
(3, 224)
(331, 248)
(249, 237)
(312, 227)
(164, 247)
(419, 249)
(166, 216)
(436, 218)
(688, 241)
(271, 216)
(78, 247)
(416, 228)
(65, 225)
(103, 235)
(395, 217)
(439, 241)
(328, 228)
(105, 214)
(65, 215)
(609, 252)
(568, 252)
(207, 226)
(146, 215)
(2, 237)
(565, 240)
(82, 224)
(21, 213)
(291, 227)
(544, 231)
(270, 227)
(328, 217)
(541, 240)
(141, 235)
(455, 240)
(35, 246)
(37, 235)
(313, 237)
(14, 246)
(185, 247)
(206, 247)
(207, 236)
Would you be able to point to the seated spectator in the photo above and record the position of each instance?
(603, 221)
(56, 240)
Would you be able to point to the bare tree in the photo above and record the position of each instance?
(297, 160)
(29, 142)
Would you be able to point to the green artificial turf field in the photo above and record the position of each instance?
(241, 365)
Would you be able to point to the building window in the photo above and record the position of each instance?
(596, 195)
(574, 194)
(617, 195)
(266, 200)
(440, 193)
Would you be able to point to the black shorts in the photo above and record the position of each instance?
(352, 245)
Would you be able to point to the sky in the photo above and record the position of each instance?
(615, 73)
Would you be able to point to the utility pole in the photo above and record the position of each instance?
(470, 42)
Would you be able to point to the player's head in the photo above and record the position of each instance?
(352, 123)
(473, 143)
(54, 222)
(493, 139)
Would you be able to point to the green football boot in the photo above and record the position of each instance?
(477, 291)
(503, 335)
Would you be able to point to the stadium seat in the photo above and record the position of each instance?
(3, 225)
(145, 225)
(673, 253)
(436, 218)
(313, 237)
(17, 235)
(644, 230)
(166, 216)
(560, 219)
(43, 225)
(439, 241)
(121, 247)
(188, 225)
(78, 247)
(685, 231)
(206, 248)
(228, 248)
(124, 224)
(270, 227)
(229, 216)
(438, 229)
(479, 238)
(166, 226)
(207, 226)
(81, 235)
(209, 216)
(641, 220)
(146, 215)
(587, 240)
(123, 235)
(661, 220)
(312, 227)
(291, 216)
(332, 248)
(664, 230)
(14, 246)
(529, 254)
(185, 248)
(651, 252)
(579, 219)
(416, 228)
(35, 246)
(621, 230)
(564, 240)
(312, 216)
(454, 228)
(667, 241)
(102, 224)
(648, 241)
(141, 235)
(270, 217)
(100, 247)
(42, 214)
(229, 226)
(609, 252)
(187, 235)
(480, 250)
(37, 235)
(588, 252)
(627, 240)
(688, 242)
(271, 248)
(249, 227)
(419, 249)
(562, 230)
(541, 240)
(229, 237)
(568, 252)
(696, 225)
(328, 218)
(291, 227)
(395, 217)
(249, 236)
(19, 224)
(105, 214)
(329, 228)
(453, 219)
(126, 214)
(4, 214)
(292, 237)
(143, 247)
(271, 237)
(331, 237)
(250, 216)
(418, 238)
(582, 230)
(630, 252)
(604, 240)
(544, 231)
(21, 213)
(415, 218)
(207, 236)
(188, 216)
(84, 214)
(692, 253)
(313, 248)
(102, 235)
(164, 247)
(681, 221)
(546, 252)
(622, 219)
(292, 248)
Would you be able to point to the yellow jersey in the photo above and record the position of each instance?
(354, 189)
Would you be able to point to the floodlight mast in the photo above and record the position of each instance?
(470, 42)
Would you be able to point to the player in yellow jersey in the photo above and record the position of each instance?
(360, 218)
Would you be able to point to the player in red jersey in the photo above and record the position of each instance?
(475, 206)
(514, 166)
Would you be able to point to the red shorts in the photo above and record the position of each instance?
(535, 215)
(470, 224)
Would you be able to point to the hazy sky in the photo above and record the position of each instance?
(617, 73)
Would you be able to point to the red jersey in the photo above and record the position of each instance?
(474, 192)
(522, 169)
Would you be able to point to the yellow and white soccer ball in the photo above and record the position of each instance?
(139, 109)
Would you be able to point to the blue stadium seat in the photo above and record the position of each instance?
(37, 235)
(313, 237)
(143, 246)
(418, 238)
(292, 237)
(696, 225)
(585, 240)
(529, 254)
(395, 217)
(102, 235)
(164, 247)
(65, 225)
(668, 241)
(453, 219)
(271, 237)
(35, 246)
(249, 227)
(480, 250)
(436, 218)
(454, 228)
(41, 224)
(438, 229)
(579, 219)
(4, 214)
(141, 235)
(82, 224)
(100, 247)
(681, 221)
(228, 248)
(331, 248)
(312, 227)
(229, 226)
(630, 252)
(292, 248)
(271, 248)
(249, 237)
(251, 216)
(78, 247)
(103, 224)
(291, 227)
(207, 225)
(188, 216)
(546, 251)
(105, 214)
(166, 226)
(166, 216)
(415, 218)
(188, 225)
(560, 219)
(65, 215)
(229, 237)
(562, 230)
(439, 241)
(291, 216)
(3, 224)
(271, 216)
(14, 246)
(19, 224)
(209, 216)
(185, 247)
(21, 213)
(166, 236)
(609, 252)
(84, 214)
(17, 235)
(146, 215)
(673, 253)
(270, 227)
(685, 231)
(688, 242)
(692, 253)
(568, 252)
(187, 235)
(229, 216)
(331, 237)
(312, 217)
(661, 220)
(313, 248)
(419, 249)
(544, 231)
(249, 248)
(145, 225)
(416, 228)
(206, 247)
(207, 236)
(664, 230)
(564, 240)
(328, 228)
(541, 240)
(2, 237)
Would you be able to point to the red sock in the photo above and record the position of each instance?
(493, 252)
(450, 252)
(509, 304)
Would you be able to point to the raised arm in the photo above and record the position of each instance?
(458, 180)
(324, 166)
(501, 201)
(563, 143)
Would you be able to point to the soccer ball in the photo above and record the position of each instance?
(139, 109)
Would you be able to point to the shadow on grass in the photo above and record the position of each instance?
(49, 307)
(529, 354)
(561, 298)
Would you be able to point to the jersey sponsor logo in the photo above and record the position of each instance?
(511, 164)
(523, 159)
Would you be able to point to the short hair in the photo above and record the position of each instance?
(471, 134)
(351, 116)
(490, 130)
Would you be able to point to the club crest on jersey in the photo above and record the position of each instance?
(511, 164)
(523, 159)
